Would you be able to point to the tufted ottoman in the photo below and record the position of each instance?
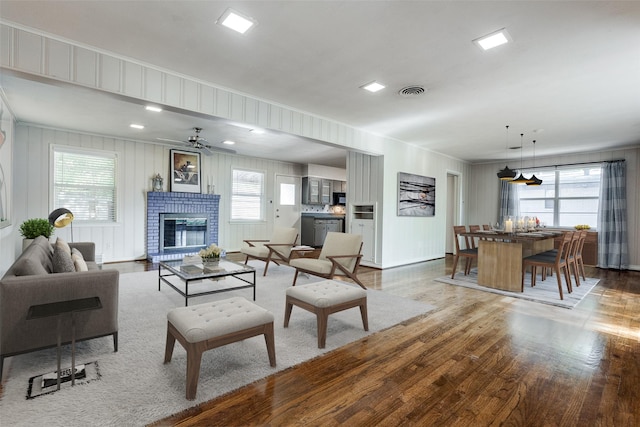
(206, 326)
(325, 298)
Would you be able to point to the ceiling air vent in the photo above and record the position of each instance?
(410, 91)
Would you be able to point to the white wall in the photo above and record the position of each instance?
(137, 163)
(8, 223)
(413, 239)
(484, 188)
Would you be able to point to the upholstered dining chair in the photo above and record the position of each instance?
(277, 249)
(558, 263)
(340, 256)
(468, 252)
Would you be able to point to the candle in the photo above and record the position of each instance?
(508, 226)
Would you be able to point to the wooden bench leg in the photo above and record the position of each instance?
(171, 341)
(287, 313)
(323, 320)
(269, 338)
(194, 356)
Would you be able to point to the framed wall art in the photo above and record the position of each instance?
(185, 172)
(416, 195)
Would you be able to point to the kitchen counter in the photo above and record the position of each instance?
(323, 215)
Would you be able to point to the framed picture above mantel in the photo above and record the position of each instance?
(186, 176)
(416, 195)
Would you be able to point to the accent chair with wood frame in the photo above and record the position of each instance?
(340, 256)
(276, 250)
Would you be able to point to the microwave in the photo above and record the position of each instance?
(339, 199)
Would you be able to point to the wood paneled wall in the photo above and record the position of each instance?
(137, 164)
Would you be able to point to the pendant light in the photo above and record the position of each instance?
(507, 174)
(534, 180)
(520, 179)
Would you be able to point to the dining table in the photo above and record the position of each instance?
(500, 255)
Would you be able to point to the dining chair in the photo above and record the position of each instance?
(473, 229)
(558, 263)
(578, 256)
(468, 252)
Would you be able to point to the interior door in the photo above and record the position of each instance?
(286, 208)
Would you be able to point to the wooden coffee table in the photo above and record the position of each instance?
(190, 272)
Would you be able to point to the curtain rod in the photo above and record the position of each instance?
(582, 163)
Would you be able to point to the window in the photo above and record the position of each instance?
(247, 195)
(567, 197)
(84, 181)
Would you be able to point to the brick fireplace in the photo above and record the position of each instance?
(207, 205)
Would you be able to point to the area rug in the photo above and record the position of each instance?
(135, 387)
(545, 292)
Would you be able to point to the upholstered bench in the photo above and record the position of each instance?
(325, 298)
(206, 326)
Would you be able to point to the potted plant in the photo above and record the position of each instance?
(34, 227)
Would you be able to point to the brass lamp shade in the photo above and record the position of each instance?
(60, 218)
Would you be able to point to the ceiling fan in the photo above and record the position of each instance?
(199, 143)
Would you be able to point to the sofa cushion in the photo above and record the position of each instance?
(28, 266)
(62, 262)
(43, 242)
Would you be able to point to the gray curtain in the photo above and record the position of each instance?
(509, 202)
(613, 249)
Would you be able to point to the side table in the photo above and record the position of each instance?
(58, 309)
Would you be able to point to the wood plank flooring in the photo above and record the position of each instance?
(479, 359)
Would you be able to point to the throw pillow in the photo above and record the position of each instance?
(78, 260)
(80, 264)
(27, 266)
(64, 245)
(62, 262)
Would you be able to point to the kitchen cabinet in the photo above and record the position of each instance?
(316, 191)
(324, 226)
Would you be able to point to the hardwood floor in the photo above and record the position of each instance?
(478, 359)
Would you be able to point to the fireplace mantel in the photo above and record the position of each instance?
(159, 202)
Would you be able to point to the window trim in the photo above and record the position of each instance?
(53, 148)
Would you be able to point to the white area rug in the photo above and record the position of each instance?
(545, 292)
(136, 388)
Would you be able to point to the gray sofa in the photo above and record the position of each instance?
(31, 281)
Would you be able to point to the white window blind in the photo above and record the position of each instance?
(85, 183)
(247, 195)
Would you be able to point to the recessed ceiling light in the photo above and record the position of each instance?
(226, 141)
(153, 108)
(494, 39)
(236, 21)
(373, 87)
(135, 126)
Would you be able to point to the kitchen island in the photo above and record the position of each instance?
(316, 225)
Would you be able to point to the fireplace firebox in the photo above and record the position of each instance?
(180, 232)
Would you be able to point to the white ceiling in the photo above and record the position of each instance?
(570, 79)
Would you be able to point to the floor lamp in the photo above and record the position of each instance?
(60, 218)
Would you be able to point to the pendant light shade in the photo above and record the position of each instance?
(507, 174)
(534, 180)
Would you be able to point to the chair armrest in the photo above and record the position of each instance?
(251, 241)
